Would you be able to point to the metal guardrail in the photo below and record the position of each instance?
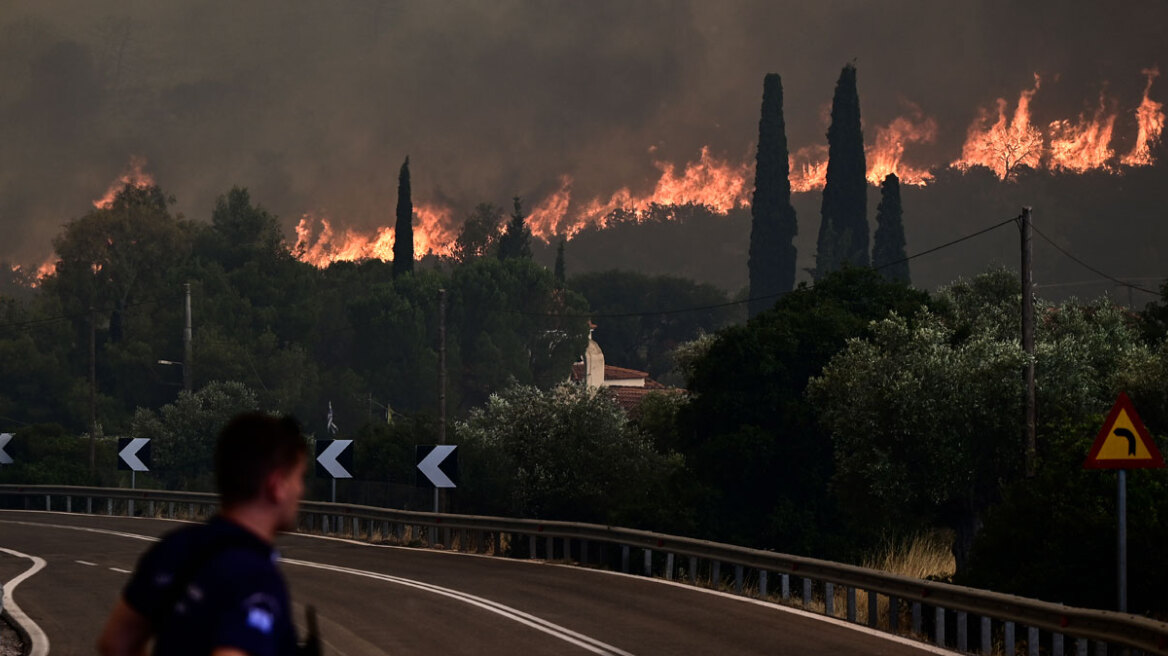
(824, 583)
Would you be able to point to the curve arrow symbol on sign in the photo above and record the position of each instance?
(5, 459)
(431, 465)
(129, 454)
(328, 458)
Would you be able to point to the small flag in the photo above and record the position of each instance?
(332, 428)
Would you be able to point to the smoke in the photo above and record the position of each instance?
(313, 104)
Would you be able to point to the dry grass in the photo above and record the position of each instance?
(926, 555)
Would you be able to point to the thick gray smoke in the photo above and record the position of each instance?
(313, 104)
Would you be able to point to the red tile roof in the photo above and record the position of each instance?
(610, 373)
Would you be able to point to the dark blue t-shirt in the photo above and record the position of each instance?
(235, 595)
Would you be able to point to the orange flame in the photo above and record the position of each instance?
(133, 175)
(808, 169)
(886, 155)
(1150, 115)
(716, 183)
(1084, 145)
(1006, 145)
(318, 244)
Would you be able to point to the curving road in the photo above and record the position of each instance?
(391, 600)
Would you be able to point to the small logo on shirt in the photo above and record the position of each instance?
(260, 620)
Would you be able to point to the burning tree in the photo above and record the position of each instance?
(773, 224)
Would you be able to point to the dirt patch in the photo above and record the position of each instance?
(10, 644)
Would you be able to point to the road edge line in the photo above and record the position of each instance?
(36, 636)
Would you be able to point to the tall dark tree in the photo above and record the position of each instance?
(888, 245)
(773, 225)
(843, 231)
(403, 238)
(516, 239)
(559, 271)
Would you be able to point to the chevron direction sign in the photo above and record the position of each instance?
(438, 465)
(134, 453)
(334, 459)
(5, 459)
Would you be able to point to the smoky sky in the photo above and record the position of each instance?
(313, 105)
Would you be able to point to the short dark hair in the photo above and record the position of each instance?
(252, 446)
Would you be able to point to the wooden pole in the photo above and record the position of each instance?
(1027, 228)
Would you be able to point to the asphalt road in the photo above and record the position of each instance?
(391, 600)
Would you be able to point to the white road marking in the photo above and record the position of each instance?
(119, 570)
(537, 623)
(85, 562)
(40, 641)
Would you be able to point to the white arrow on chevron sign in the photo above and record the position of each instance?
(5, 459)
(328, 458)
(430, 465)
(129, 455)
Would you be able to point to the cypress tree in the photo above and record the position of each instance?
(559, 270)
(516, 239)
(888, 243)
(773, 226)
(403, 231)
(843, 230)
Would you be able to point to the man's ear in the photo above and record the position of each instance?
(274, 489)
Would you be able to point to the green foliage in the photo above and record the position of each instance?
(46, 454)
(888, 243)
(479, 234)
(183, 433)
(646, 341)
(773, 225)
(750, 436)
(843, 231)
(925, 412)
(568, 453)
(516, 239)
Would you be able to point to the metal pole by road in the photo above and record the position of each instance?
(1122, 542)
(334, 490)
(188, 355)
(441, 379)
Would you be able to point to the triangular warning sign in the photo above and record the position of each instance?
(1123, 442)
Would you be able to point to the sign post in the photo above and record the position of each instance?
(437, 467)
(333, 459)
(134, 455)
(1123, 443)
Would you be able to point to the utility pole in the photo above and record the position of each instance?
(1025, 225)
(92, 389)
(188, 362)
(441, 377)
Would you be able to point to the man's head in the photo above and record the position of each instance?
(260, 459)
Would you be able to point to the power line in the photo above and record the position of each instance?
(699, 308)
(1093, 269)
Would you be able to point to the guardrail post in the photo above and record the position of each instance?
(762, 584)
(1008, 638)
(531, 546)
(170, 509)
(939, 630)
(738, 579)
(916, 617)
(669, 566)
(851, 609)
(806, 592)
(873, 609)
(625, 558)
(1080, 647)
(150, 508)
(987, 642)
(1032, 640)
(48, 502)
(191, 511)
(715, 573)
(109, 507)
(648, 562)
(68, 504)
(962, 631)
(693, 570)
(829, 599)
(1056, 644)
(355, 524)
(130, 508)
(89, 505)
(785, 587)
(324, 522)
(893, 614)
